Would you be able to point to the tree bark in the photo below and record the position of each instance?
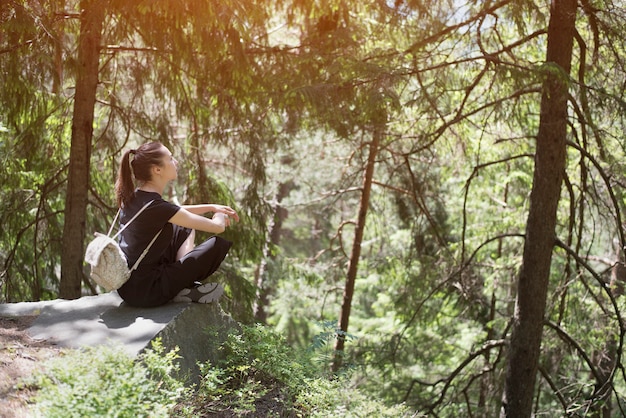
(265, 288)
(355, 255)
(57, 75)
(91, 20)
(532, 286)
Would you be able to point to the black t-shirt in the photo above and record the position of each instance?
(136, 238)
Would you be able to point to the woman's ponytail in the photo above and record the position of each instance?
(136, 169)
(124, 185)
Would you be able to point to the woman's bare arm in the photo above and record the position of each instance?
(188, 219)
(211, 207)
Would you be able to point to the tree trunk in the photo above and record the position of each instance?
(265, 289)
(57, 75)
(92, 16)
(356, 250)
(534, 276)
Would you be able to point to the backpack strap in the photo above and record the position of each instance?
(143, 254)
(127, 223)
(113, 223)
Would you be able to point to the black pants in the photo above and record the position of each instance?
(156, 285)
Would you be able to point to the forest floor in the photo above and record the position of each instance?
(20, 356)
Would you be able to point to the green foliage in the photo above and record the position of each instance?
(259, 353)
(31, 203)
(322, 350)
(331, 398)
(105, 382)
(259, 365)
(261, 94)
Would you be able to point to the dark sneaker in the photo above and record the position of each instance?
(204, 293)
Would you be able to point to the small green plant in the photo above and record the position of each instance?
(258, 365)
(107, 382)
(322, 348)
(337, 398)
(260, 370)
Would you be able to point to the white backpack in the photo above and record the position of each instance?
(109, 267)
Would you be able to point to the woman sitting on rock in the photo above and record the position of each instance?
(173, 268)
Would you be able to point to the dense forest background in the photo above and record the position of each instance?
(433, 188)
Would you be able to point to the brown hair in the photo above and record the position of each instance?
(144, 158)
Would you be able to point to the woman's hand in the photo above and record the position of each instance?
(222, 219)
(226, 210)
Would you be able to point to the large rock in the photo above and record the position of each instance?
(196, 329)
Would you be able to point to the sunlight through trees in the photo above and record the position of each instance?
(440, 181)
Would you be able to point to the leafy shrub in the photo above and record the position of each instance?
(107, 382)
(335, 398)
(262, 374)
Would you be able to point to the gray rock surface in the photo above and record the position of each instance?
(196, 329)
